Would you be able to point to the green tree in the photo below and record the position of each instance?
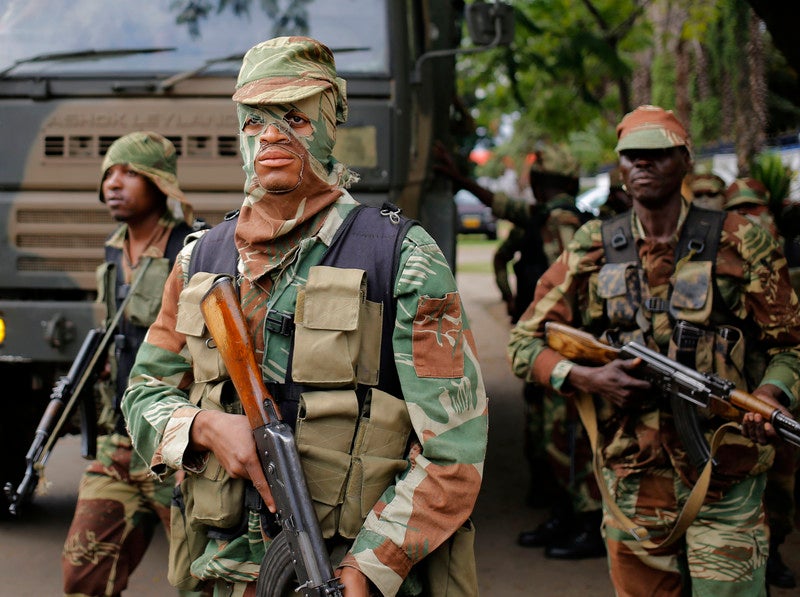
(577, 65)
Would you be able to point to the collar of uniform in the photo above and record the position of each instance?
(338, 211)
(117, 238)
(637, 224)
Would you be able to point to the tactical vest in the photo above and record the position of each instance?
(622, 286)
(354, 428)
(141, 311)
(694, 297)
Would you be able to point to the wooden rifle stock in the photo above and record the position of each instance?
(577, 345)
(228, 328)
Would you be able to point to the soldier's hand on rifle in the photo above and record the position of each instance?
(756, 427)
(613, 381)
(356, 584)
(230, 437)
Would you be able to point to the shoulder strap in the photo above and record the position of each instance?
(371, 239)
(215, 251)
(700, 233)
(175, 241)
(618, 239)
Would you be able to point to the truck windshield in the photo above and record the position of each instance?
(78, 37)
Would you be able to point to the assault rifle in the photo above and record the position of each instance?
(275, 444)
(673, 380)
(64, 397)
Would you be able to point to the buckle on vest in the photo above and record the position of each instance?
(280, 323)
(698, 246)
(655, 304)
(618, 240)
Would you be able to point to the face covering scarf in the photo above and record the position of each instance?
(272, 224)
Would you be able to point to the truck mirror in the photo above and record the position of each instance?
(490, 24)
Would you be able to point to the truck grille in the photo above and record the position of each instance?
(96, 146)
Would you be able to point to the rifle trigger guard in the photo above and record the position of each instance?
(210, 344)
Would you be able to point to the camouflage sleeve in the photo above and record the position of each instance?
(516, 211)
(767, 297)
(155, 405)
(502, 257)
(561, 295)
(443, 388)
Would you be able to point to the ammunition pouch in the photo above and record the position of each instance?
(337, 330)
(209, 502)
(349, 458)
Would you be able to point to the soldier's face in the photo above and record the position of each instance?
(281, 159)
(653, 176)
(130, 196)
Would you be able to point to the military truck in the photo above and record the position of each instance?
(74, 76)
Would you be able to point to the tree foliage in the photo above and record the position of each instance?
(577, 66)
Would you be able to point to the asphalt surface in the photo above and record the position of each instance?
(30, 547)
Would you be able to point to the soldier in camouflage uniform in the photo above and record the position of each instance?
(744, 291)
(289, 102)
(119, 502)
(750, 198)
(708, 190)
(557, 452)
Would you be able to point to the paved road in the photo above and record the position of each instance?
(30, 548)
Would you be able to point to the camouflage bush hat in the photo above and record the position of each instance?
(152, 156)
(650, 127)
(287, 69)
(555, 159)
(746, 191)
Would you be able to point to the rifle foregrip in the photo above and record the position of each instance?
(226, 323)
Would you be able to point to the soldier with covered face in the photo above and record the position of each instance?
(386, 517)
(654, 275)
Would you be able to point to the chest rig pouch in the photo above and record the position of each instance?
(622, 286)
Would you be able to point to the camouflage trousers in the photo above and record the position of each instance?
(118, 510)
(723, 553)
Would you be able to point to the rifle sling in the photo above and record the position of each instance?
(102, 347)
(585, 405)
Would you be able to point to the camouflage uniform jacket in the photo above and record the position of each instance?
(440, 378)
(558, 219)
(752, 279)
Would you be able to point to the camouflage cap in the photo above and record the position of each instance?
(707, 183)
(152, 156)
(555, 159)
(650, 127)
(746, 191)
(286, 69)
